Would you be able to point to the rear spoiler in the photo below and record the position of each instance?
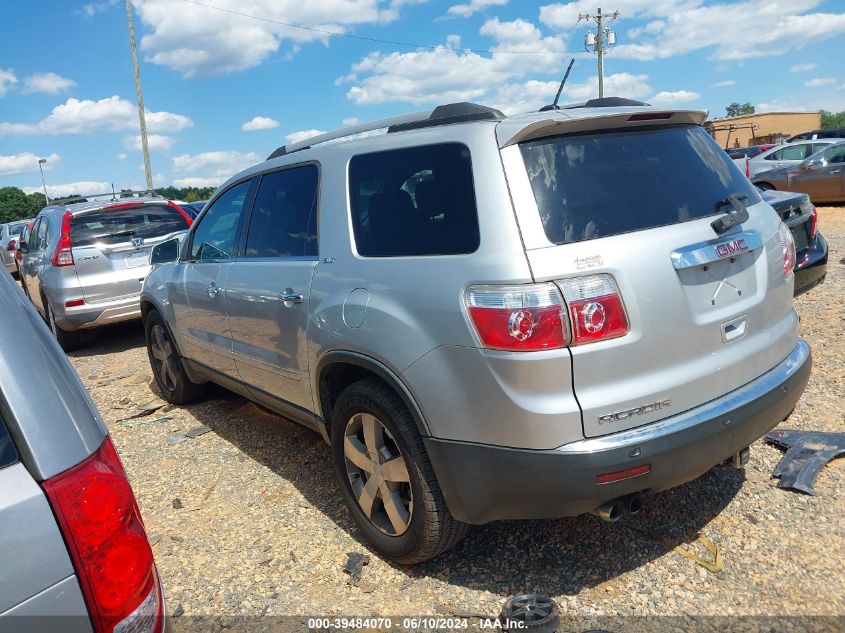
(517, 130)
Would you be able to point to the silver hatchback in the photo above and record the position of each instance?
(85, 262)
(492, 317)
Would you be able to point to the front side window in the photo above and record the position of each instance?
(284, 215)
(594, 185)
(414, 201)
(216, 235)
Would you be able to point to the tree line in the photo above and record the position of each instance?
(17, 205)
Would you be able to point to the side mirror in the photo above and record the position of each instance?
(165, 252)
(809, 165)
(23, 247)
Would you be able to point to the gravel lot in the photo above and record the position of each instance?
(248, 520)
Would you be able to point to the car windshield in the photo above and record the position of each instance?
(113, 226)
(15, 229)
(595, 185)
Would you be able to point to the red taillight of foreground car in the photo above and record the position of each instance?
(101, 523)
(814, 218)
(596, 310)
(787, 244)
(64, 255)
(11, 245)
(518, 318)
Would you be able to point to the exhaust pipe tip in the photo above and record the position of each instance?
(610, 511)
(634, 503)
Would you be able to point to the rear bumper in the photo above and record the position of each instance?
(94, 315)
(812, 265)
(483, 483)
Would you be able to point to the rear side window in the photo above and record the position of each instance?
(414, 201)
(114, 226)
(8, 454)
(589, 186)
(284, 215)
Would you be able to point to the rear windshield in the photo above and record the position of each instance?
(595, 185)
(15, 229)
(8, 454)
(113, 226)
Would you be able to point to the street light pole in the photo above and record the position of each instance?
(141, 118)
(41, 161)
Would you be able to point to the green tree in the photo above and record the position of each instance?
(833, 119)
(739, 109)
(16, 205)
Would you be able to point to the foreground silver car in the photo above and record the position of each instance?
(84, 263)
(492, 318)
(74, 556)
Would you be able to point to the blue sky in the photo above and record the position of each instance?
(67, 93)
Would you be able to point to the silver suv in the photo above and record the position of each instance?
(84, 263)
(492, 317)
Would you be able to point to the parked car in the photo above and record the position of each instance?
(821, 176)
(786, 155)
(9, 233)
(75, 556)
(799, 214)
(23, 237)
(750, 151)
(85, 262)
(831, 132)
(193, 208)
(492, 317)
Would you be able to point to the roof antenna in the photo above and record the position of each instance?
(554, 105)
(113, 195)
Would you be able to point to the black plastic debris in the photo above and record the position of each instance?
(355, 565)
(807, 452)
(530, 612)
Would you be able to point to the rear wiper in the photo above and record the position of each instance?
(118, 234)
(737, 215)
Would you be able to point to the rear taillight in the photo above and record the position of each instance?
(11, 245)
(182, 212)
(518, 318)
(814, 218)
(596, 309)
(101, 523)
(747, 168)
(64, 255)
(787, 244)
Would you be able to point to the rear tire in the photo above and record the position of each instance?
(371, 424)
(68, 341)
(166, 363)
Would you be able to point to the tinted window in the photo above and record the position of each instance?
(794, 152)
(415, 201)
(835, 154)
(113, 226)
(284, 216)
(216, 235)
(8, 454)
(595, 185)
(42, 235)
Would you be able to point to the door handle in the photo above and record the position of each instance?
(835, 171)
(213, 290)
(289, 296)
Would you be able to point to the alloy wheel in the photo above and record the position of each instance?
(378, 474)
(163, 357)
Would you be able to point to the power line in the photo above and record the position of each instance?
(373, 39)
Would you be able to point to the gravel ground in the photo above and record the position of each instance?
(247, 519)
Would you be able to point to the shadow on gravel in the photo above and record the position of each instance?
(555, 557)
(111, 339)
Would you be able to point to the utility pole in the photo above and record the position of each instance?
(602, 41)
(41, 161)
(139, 94)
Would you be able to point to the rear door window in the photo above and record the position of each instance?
(595, 185)
(116, 226)
(284, 216)
(414, 201)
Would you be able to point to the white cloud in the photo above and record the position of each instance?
(195, 40)
(445, 75)
(121, 157)
(49, 83)
(668, 98)
(802, 68)
(81, 187)
(112, 114)
(209, 169)
(154, 142)
(820, 81)
(24, 162)
(295, 137)
(723, 84)
(259, 123)
(93, 8)
(353, 120)
(473, 6)
(7, 79)
(778, 26)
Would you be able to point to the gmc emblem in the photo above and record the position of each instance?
(726, 249)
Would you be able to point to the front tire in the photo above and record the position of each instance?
(166, 363)
(68, 341)
(386, 477)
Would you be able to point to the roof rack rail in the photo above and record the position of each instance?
(441, 115)
(114, 195)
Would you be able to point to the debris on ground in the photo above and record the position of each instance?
(714, 566)
(355, 566)
(177, 504)
(138, 422)
(197, 431)
(533, 611)
(807, 452)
